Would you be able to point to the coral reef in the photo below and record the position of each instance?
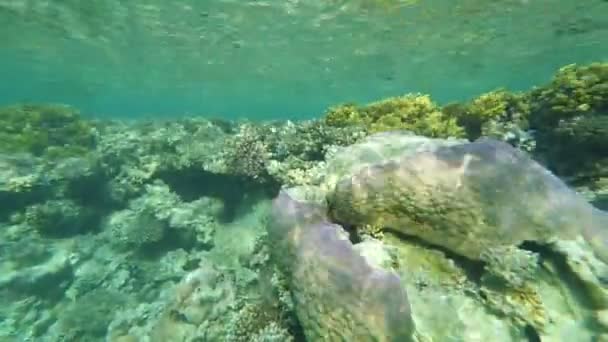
(331, 283)
(397, 220)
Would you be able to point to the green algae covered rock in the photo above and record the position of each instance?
(49, 130)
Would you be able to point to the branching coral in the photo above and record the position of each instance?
(250, 155)
(288, 153)
(343, 115)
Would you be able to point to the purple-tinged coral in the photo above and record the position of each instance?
(337, 294)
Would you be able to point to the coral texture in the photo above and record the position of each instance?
(467, 198)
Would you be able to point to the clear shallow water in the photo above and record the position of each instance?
(284, 59)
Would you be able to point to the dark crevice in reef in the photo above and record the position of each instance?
(353, 235)
(90, 191)
(193, 183)
(297, 332)
(601, 202)
(531, 334)
(170, 241)
(10, 202)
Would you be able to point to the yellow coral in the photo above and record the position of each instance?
(575, 90)
(373, 230)
(413, 112)
(495, 106)
(490, 105)
(529, 301)
(342, 115)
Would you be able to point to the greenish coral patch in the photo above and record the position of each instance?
(489, 113)
(49, 130)
(574, 91)
(570, 115)
(60, 218)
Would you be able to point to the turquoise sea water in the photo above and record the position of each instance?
(277, 59)
(303, 171)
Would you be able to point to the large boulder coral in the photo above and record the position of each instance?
(436, 201)
(468, 198)
(375, 149)
(338, 295)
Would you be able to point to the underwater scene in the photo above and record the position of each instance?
(304, 171)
